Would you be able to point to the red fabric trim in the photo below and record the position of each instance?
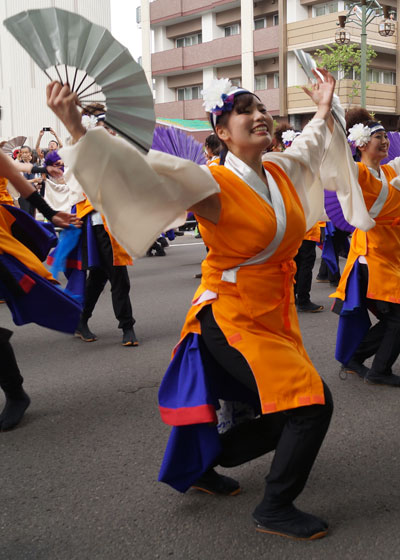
(235, 338)
(184, 416)
(50, 260)
(269, 407)
(74, 264)
(318, 399)
(304, 401)
(27, 283)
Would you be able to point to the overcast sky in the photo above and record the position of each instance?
(124, 26)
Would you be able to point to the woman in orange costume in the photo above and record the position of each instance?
(11, 380)
(373, 261)
(243, 313)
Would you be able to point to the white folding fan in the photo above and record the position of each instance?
(9, 146)
(95, 65)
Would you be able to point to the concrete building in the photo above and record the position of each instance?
(186, 43)
(22, 83)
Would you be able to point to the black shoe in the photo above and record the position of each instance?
(83, 332)
(129, 337)
(290, 522)
(160, 252)
(309, 307)
(322, 279)
(355, 367)
(14, 411)
(198, 275)
(162, 241)
(179, 233)
(382, 379)
(213, 483)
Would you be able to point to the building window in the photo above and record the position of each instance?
(276, 80)
(327, 8)
(138, 14)
(189, 40)
(260, 23)
(275, 19)
(381, 76)
(233, 29)
(236, 82)
(260, 82)
(188, 93)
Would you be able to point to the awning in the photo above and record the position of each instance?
(185, 124)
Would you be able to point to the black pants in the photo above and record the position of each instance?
(296, 435)
(305, 260)
(10, 378)
(383, 339)
(119, 280)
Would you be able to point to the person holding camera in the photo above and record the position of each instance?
(53, 144)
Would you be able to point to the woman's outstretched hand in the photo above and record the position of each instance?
(64, 104)
(64, 219)
(321, 92)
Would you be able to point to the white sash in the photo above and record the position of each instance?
(382, 196)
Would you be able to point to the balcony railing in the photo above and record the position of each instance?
(197, 56)
(266, 40)
(194, 109)
(381, 98)
(319, 31)
(162, 10)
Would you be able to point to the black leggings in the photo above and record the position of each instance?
(383, 339)
(10, 378)
(296, 434)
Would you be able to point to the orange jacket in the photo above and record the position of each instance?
(5, 197)
(11, 246)
(120, 256)
(257, 314)
(380, 245)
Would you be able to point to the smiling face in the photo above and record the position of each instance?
(377, 148)
(247, 128)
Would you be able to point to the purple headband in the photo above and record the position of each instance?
(51, 158)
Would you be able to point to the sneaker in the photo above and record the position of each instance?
(213, 483)
(382, 379)
(198, 275)
(83, 332)
(292, 523)
(129, 337)
(309, 307)
(163, 241)
(355, 367)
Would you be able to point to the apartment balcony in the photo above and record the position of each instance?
(211, 53)
(266, 41)
(319, 31)
(161, 10)
(381, 98)
(192, 109)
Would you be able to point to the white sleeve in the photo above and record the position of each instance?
(319, 160)
(395, 164)
(140, 196)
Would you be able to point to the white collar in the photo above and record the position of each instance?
(248, 175)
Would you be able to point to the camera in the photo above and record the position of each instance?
(46, 129)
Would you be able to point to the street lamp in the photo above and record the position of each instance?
(363, 16)
(342, 36)
(387, 27)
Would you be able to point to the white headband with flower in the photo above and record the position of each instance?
(359, 134)
(288, 136)
(89, 121)
(219, 97)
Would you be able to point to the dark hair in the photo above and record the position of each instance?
(54, 141)
(279, 130)
(213, 143)
(25, 146)
(356, 116)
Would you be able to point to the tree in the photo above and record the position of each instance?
(345, 59)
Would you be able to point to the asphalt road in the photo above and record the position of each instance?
(79, 475)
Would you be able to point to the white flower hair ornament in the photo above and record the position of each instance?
(288, 136)
(219, 97)
(359, 135)
(89, 121)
